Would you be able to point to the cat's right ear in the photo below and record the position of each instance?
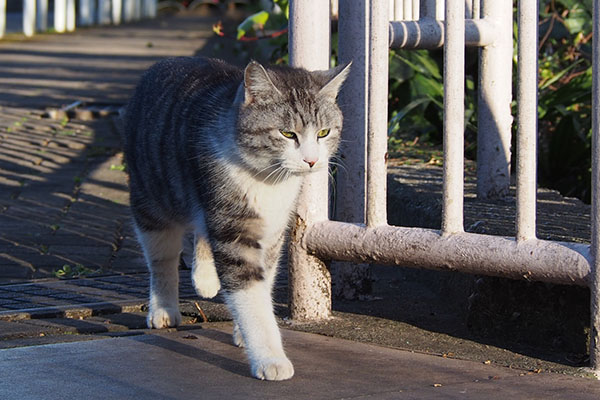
(257, 84)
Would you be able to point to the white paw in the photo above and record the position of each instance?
(163, 317)
(207, 286)
(273, 369)
(238, 340)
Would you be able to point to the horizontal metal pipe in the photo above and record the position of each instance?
(535, 260)
(428, 33)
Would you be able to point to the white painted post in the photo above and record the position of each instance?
(128, 10)
(29, 17)
(377, 113)
(71, 16)
(86, 12)
(60, 15)
(595, 245)
(494, 98)
(416, 9)
(104, 13)
(42, 16)
(351, 179)
(527, 119)
(454, 94)
(310, 282)
(407, 11)
(117, 10)
(2, 18)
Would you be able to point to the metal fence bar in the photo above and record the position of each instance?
(527, 119)
(60, 15)
(377, 114)
(310, 282)
(86, 12)
(70, 16)
(428, 33)
(494, 97)
(2, 18)
(536, 260)
(595, 245)
(117, 11)
(42, 16)
(29, 17)
(350, 195)
(104, 13)
(407, 13)
(454, 94)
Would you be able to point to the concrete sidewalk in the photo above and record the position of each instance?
(63, 202)
(203, 364)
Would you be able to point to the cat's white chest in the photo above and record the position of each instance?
(273, 203)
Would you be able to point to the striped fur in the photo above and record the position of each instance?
(205, 151)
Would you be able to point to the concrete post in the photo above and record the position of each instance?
(495, 95)
(527, 119)
(29, 17)
(454, 111)
(595, 245)
(309, 279)
(42, 16)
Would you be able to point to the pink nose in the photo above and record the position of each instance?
(310, 162)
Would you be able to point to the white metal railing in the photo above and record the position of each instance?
(66, 14)
(365, 36)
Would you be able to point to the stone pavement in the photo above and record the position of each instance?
(63, 212)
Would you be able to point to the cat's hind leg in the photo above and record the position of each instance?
(161, 250)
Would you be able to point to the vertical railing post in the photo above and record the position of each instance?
(42, 16)
(60, 15)
(2, 18)
(595, 245)
(377, 113)
(29, 17)
(495, 95)
(527, 119)
(454, 110)
(104, 13)
(117, 10)
(128, 10)
(86, 12)
(70, 16)
(350, 279)
(310, 282)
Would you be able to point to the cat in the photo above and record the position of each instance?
(223, 151)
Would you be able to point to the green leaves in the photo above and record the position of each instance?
(254, 22)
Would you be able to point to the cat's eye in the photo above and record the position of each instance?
(322, 133)
(288, 134)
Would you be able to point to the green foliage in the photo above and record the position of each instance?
(77, 271)
(565, 82)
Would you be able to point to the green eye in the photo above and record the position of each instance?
(288, 134)
(322, 133)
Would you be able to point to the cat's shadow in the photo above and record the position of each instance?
(205, 355)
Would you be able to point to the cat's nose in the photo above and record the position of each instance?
(310, 162)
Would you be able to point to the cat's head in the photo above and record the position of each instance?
(289, 121)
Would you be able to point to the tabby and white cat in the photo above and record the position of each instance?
(224, 151)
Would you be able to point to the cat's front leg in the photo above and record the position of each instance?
(252, 309)
(161, 250)
(204, 274)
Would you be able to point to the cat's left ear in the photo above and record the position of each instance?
(257, 84)
(337, 76)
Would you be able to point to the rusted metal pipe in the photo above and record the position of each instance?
(536, 260)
